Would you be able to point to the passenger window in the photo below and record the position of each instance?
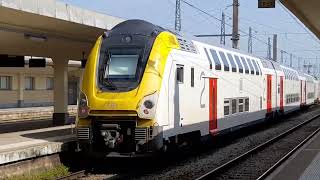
(260, 72)
(239, 64)
(234, 106)
(246, 104)
(240, 104)
(245, 65)
(180, 73)
(255, 66)
(224, 60)
(233, 63)
(192, 77)
(210, 62)
(216, 59)
(250, 65)
(226, 106)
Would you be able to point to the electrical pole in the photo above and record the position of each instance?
(177, 25)
(250, 41)
(223, 30)
(299, 66)
(235, 24)
(269, 49)
(275, 44)
(291, 60)
(281, 52)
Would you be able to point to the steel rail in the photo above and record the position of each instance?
(284, 158)
(75, 175)
(228, 164)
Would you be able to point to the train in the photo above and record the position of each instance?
(146, 88)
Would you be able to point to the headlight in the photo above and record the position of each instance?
(147, 106)
(83, 109)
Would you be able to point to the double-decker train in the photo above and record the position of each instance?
(145, 87)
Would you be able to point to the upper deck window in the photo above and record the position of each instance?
(207, 54)
(250, 65)
(246, 67)
(255, 66)
(232, 62)
(239, 63)
(216, 59)
(256, 62)
(224, 60)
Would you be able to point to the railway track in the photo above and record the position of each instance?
(73, 176)
(269, 154)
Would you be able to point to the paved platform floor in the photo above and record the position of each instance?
(34, 143)
(303, 165)
(30, 113)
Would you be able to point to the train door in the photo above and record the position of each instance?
(303, 92)
(177, 96)
(269, 91)
(281, 94)
(213, 127)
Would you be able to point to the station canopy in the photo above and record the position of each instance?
(307, 11)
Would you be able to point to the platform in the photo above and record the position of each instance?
(30, 113)
(303, 165)
(24, 145)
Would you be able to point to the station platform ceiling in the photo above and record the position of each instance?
(308, 11)
(49, 28)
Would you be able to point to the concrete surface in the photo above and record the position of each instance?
(31, 113)
(35, 143)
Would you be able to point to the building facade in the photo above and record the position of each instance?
(31, 87)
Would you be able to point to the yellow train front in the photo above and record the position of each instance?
(120, 90)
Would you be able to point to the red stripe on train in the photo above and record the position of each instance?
(213, 106)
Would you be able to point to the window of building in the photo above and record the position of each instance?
(240, 104)
(250, 65)
(234, 106)
(210, 62)
(246, 104)
(239, 64)
(29, 83)
(5, 82)
(192, 77)
(226, 106)
(216, 59)
(180, 73)
(49, 83)
(246, 68)
(233, 63)
(224, 60)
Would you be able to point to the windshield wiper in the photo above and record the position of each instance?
(106, 75)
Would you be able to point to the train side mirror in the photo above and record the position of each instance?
(83, 63)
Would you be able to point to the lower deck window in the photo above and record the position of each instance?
(226, 107)
(234, 106)
(246, 104)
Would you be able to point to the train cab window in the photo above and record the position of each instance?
(234, 106)
(224, 60)
(250, 65)
(216, 59)
(246, 104)
(180, 74)
(240, 105)
(255, 66)
(246, 67)
(208, 57)
(239, 63)
(232, 62)
(226, 107)
(192, 77)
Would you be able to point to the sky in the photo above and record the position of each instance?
(293, 37)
